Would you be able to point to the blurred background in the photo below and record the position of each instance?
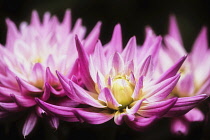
(133, 15)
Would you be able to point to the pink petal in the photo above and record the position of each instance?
(99, 58)
(161, 90)
(65, 113)
(119, 117)
(156, 108)
(29, 124)
(147, 67)
(172, 70)
(7, 91)
(115, 45)
(50, 78)
(93, 116)
(140, 123)
(136, 94)
(184, 104)
(84, 66)
(92, 38)
(194, 115)
(186, 85)
(64, 82)
(54, 122)
(174, 30)
(11, 107)
(27, 88)
(35, 21)
(117, 63)
(47, 91)
(109, 99)
(179, 126)
(12, 34)
(67, 20)
(200, 46)
(84, 96)
(130, 50)
(135, 107)
(23, 100)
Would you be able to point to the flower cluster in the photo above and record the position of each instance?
(50, 70)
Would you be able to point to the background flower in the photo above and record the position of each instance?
(29, 60)
(195, 72)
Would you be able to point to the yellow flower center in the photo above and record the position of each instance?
(122, 90)
(37, 60)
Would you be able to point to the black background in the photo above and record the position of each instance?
(133, 16)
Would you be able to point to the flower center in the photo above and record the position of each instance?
(122, 90)
(37, 60)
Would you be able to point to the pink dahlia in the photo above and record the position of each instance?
(119, 84)
(29, 60)
(195, 73)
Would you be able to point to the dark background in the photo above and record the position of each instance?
(133, 16)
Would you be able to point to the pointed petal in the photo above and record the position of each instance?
(57, 111)
(117, 63)
(179, 126)
(46, 93)
(11, 107)
(64, 82)
(200, 46)
(93, 116)
(137, 91)
(174, 30)
(12, 33)
(115, 45)
(130, 50)
(172, 70)
(29, 124)
(140, 123)
(185, 104)
(67, 20)
(84, 96)
(84, 66)
(194, 115)
(135, 107)
(35, 21)
(156, 108)
(161, 90)
(119, 117)
(92, 38)
(147, 67)
(54, 122)
(7, 92)
(27, 88)
(50, 78)
(23, 100)
(110, 100)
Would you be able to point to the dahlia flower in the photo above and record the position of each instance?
(195, 72)
(28, 63)
(119, 84)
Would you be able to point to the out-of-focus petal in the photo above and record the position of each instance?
(29, 124)
(179, 126)
(194, 115)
